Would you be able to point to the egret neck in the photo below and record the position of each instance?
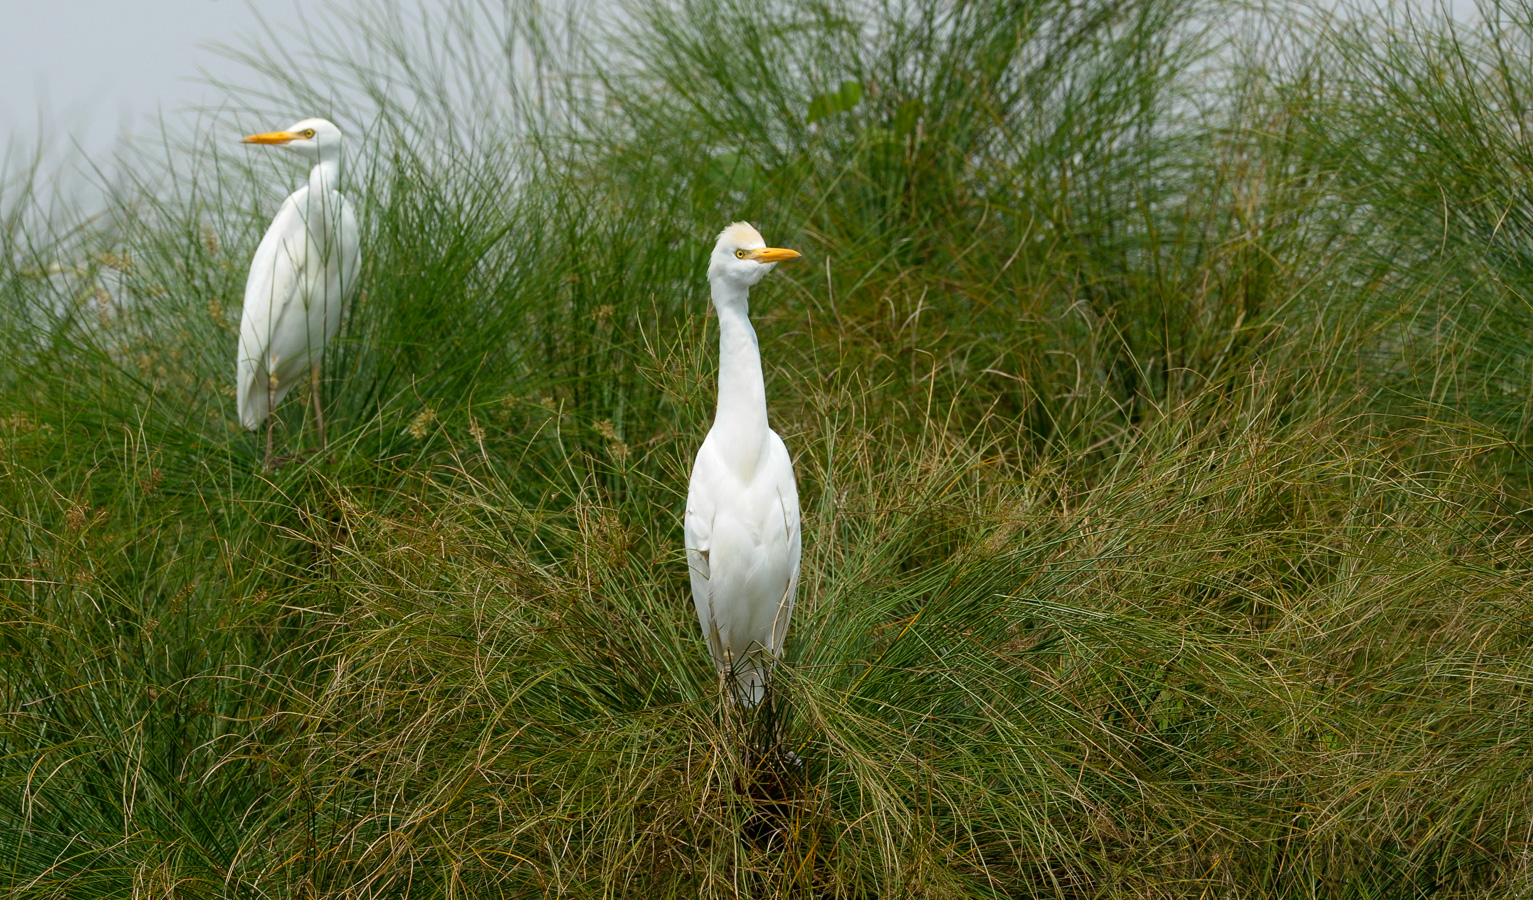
(324, 189)
(740, 425)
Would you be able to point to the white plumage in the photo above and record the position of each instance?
(303, 274)
(742, 520)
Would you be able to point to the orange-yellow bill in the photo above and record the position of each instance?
(772, 254)
(272, 137)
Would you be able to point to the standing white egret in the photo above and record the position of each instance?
(742, 528)
(303, 273)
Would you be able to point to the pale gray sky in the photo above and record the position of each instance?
(90, 70)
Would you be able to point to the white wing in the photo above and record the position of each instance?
(350, 241)
(697, 529)
(780, 466)
(270, 292)
(294, 298)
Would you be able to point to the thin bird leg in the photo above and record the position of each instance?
(319, 416)
(271, 400)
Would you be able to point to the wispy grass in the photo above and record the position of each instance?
(1164, 489)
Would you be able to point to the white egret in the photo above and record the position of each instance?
(303, 273)
(742, 526)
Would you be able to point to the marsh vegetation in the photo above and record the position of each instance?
(1160, 394)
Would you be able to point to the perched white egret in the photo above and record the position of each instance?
(742, 528)
(303, 273)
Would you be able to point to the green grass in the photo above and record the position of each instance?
(1158, 399)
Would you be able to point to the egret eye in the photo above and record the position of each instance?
(739, 254)
(308, 132)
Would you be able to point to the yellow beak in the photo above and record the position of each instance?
(772, 254)
(272, 137)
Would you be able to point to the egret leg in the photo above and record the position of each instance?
(319, 415)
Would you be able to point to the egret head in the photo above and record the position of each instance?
(317, 138)
(741, 258)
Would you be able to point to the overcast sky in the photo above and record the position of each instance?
(89, 71)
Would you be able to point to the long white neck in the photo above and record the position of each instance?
(325, 176)
(322, 211)
(740, 425)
